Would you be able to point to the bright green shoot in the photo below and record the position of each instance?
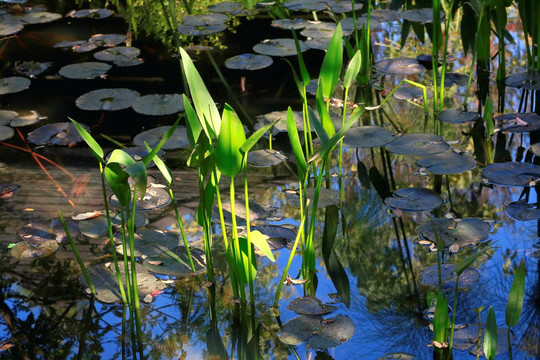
(490, 335)
(515, 301)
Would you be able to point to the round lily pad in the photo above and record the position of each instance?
(155, 198)
(368, 137)
(457, 116)
(400, 66)
(310, 305)
(451, 78)
(11, 28)
(430, 276)
(305, 5)
(361, 22)
(140, 219)
(463, 232)
(25, 250)
(107, 40)
(40, 17)
(418, 144)
(522, 211)
(385, 15)
(158, 104)
(152, 242)
(257, 212)
(26, 120)
(414, 199)
(524, 80)
(320, 30)
(201, 30)
(6, 116)
(107, 99)
(31, 68)
(288, 24)
(228, 7)
(248, 62)
(6, 132)
(176, 262)
(13, 84)
(299, 329)
(281, 125)
(205, 19)
(448, 162)
(411, 93)
(316, 332)
(423, 16)
(41, 231)
(345, 6)
(94, 228)
(279, 47)
(178, 140)
(92, 13)
(84, 70)
(118, 54)
(84, 47)
(265, 157)
(518, 122)
(63, 133)
(68, 44)
(511, 173)
(318, 43)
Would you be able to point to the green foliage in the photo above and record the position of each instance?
(331, 66)
(441, 319)
(515, 297)
(231, 138)
(490, 335)
(92, 144)
(294, 139)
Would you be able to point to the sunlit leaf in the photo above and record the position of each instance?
(515, 297)
(231, 138)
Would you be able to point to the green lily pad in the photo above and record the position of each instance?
(522, 211)
(68, 44)
(178, 140)
(430, 276)
(6, 133)
(228, 7)
(84, 70)
(140, 219)
(265, 157)
(107, 40)
(288, 24)
(13, 84)
(511, 173)
(26, 250)
(368, 137)
(518, 122)
(92, 14)
(345, 6)
(107, 99)
(278, 47)
(418, 144)
(299, 329)
(152, 242)
(457, 116)
(257, 212)
(248, 62)
(40, 17)
(316, 332)
(310, 305)
(463, 232)
(361, 22)
(399, 67)
(158, 104)
(423, 16)
(176, 262)
(62, 134)
(119, 55)
(107, 288)
(321, 30)
(6, 116)
(414, 199)
(31, 68)
(94, 228)
(318, 44)
(412, 93)
(524, 80)
(84, 47)
(448, 162)
(155, 198)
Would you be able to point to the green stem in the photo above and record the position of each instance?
(131, 233)
(184, 238)
(236, 243)
(123, 211)
(248, 230)
(454, 307)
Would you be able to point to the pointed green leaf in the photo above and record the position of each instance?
(352, 70)
(441, 320)
(488, 118)
(120, 157)
(318, 127)
(259, 240)
(138, 173)
(332, 62)
(296, 146)
(299, 85)
(490, 335)
(193, 124)
(515, 297)
(256, 136)
(231, 138)
(94, 146)
(324, 114)
(303, 69)
(117, 180)
(165, 171)
(463, 265)
(245, 265)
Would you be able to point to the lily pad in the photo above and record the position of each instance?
(511, 173)
(152, 242)
(316, 332)
(310, 305)
(40, 17)
(288, 24)
(107, 40)
(265, 158)
(277, 232)
(41, 231)
(385, 15)
(158, 104)
(257, 212)
(305, 5)
(524, 80)
(205, 19)
(344, 6)
(176, 262)
(423, 16)
(201, 30)
(418, 144)
(228, 7)
(457, 116)
(6, 116)
(63, 134)
(399, 67)
(13, 84)
(430, 276)
(178, 140)
(107, 99)
(92, 13)
(327, 197)
(69, 44)
(522, 211)
(518, 122)
(140, 219)
(414, 199)
(31, 68)
(281, 125)
(502, 343)
(155, 198)
(321, 30)
(463, 232)
(368, 137)
(8, 29)
(26, 120)
(248, 62)
(85, 46)
(25, 250)
(448, 162)
(94, 228)
(84, 70)
(279, 47)
(120, 55)
(412, 93)
(6, 133)
(361, 22)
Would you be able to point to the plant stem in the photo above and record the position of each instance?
(248, 236)
(236, 243)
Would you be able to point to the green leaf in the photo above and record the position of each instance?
(352, 70)
(441, 320)
(490, 335)
(231, 138)
(94, 146)
(299, 85)
(488, 118)
(148, 158)
(259, 240)
(138, 173)
(256, 136)
(296, 146)
(324, 114)
(515, 297)
(318, 126)
(117, 180)
(332, 63)
(165, 171)
(303, 69)
(204, 104)
(463, 265)
(193, 124)
(244, 264)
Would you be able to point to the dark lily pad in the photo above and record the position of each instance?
(414, 199)
(63, 133)
(107, 40)
(361, 22)
(265, 158)
(327, 197)
(423, 16)
(281, 125)
(451, 78)
(31, 68)
(535, 148)
(385, 15)
(522, 211)
(13, 84)
(228, 7)
(25, 250)
(248, 62)
(85, 46)
(92, 13)
(511, 173)
(107, 288)
(518, 122)
(152, 242)
(400, 66)
(418, 144)
(84, 70)
(6, 116)
(205, 19)
(277, 232)
(305, 5)
(120, 55)
(368, 137)
(299, 329)
(94, 228)
(463, 232)
(178, 140)
(40, 17)
(524, 80)
(41, 231)
(412, 93)
(344, 6)
(201, 30)
(318, 43)
(448, 162)
(69, 44)
(430, 276)
(107, 99)
(279, 47)
(288, 24)
(6, 132)
(140, 219)
(257, 212)
(310, 305)
(176, 262)
(158, 104)
(321, 30)
(316, 332)
(8, 190)
(155, 198)
(26, 120)
(457, 116)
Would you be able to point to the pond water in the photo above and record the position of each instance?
(378, 277)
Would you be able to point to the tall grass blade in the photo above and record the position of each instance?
(515, 297)
(352, 70)
(94, 146)
(148, 158)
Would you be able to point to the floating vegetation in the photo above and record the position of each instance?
(399, 67)
(158, 104)
(31, 68)
(446, 163)
(511, 173)
(423, 16)
(456, 233)
(265, 158)
(178, 140)
(203, 24)
(175, 262)
(529, 80)
(107, 99)
(91, 14)
(430, 276)
(278, 47)
(457, 116)
(418, 144)
(414, 199)
(120, 56)
(40, 17)
(518, 122)
(248, 62)
(522, 211)
(13, 84)
(287, 24)
(6, 133)
(84, 70)
(63, 134)
(368, 137)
